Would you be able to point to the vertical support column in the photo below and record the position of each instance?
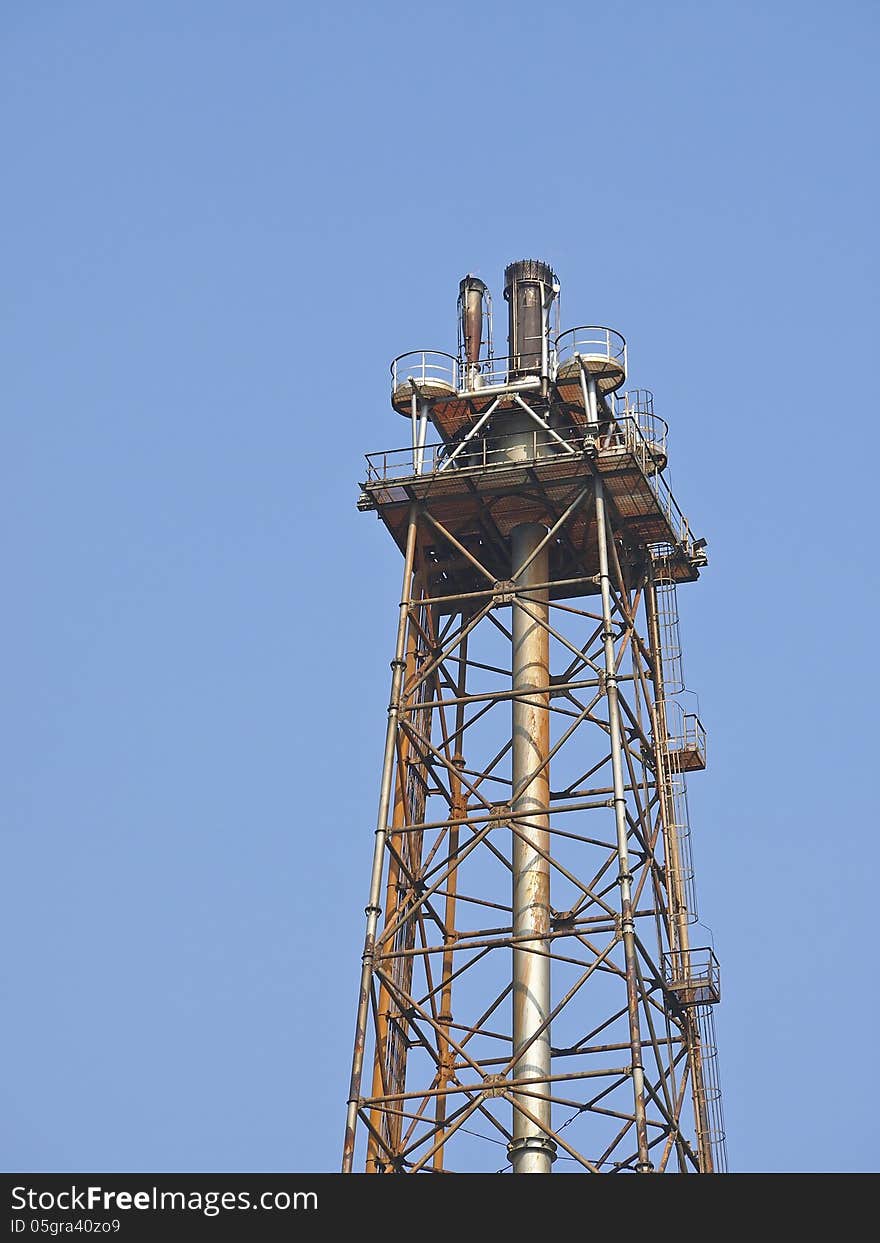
(414, 420)
(458, 808)
(624, 875)
(373, 909)
(594, 400)
(382, 1124)
(531, 1150)
(591, 400)
(424, 409)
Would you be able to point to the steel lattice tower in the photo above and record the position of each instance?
(530, 992)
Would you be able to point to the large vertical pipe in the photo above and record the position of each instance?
(526, 286)
(373, 909)
(628, 927)
(531, 1150)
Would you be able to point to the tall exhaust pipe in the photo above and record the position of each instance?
(472, 296)
(529, 290)
(471, 293)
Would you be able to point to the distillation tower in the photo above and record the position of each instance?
(532, 989)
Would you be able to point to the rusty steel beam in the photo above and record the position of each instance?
(625, 876)
(373, 909)
(448, 969)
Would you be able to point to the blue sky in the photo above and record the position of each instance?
(220, 222)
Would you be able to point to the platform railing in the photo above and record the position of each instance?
(634, 401)
(591, 341)
(671, 509)
(693, 735)
(483, 452)
(625, 434)
(693, 975)
(488, 372)
(640, 433)
(425, 367)
(685, 735)
(637, 404)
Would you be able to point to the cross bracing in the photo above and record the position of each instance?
(626, 1081)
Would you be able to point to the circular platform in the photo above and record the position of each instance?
(431, 374)
(609, 373)
(430, 389)
(599, 351)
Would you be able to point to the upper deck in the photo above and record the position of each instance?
(478, 493)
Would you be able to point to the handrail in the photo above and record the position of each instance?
(634, 401)
(490, 371)
(609, 343)
(431, 365)
(483, 452)
(486, 453)
(694, 969)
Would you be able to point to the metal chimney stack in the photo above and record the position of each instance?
(529, 289)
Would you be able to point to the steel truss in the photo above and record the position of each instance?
(438, 1084)
(529, 991)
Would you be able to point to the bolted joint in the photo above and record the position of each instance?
(531, 1143)
(503, 592)
(371, 958)
(494, 1085)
